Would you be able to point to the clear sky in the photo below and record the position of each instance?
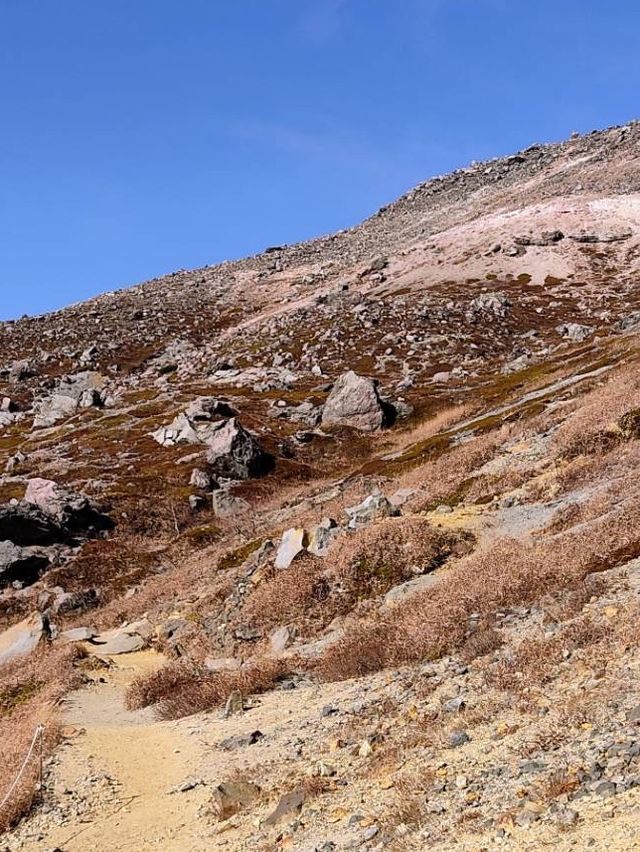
(142, 136)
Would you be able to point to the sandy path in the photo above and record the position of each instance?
(144, 758)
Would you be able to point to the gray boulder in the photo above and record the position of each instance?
(234, 453)
(372, 508)
(354, 402)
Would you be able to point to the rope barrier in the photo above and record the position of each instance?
(39, 731)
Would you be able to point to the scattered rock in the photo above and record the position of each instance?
(232, 797)
(574, 331)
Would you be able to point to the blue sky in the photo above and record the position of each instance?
(142, 136)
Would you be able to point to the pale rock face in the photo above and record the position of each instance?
(354, 402)
(179, 431)
(293, 542)
(21, 639)
(280, 639)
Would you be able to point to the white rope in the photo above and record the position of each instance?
(38, 733)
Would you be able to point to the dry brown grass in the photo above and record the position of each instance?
(180, 689)
(360, 566)
(501, 575)
(29, 690)
(591, 428)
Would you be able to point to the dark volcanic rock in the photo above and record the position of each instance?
(26, 525)
(76, 513)
(234, 453)
(20, 564)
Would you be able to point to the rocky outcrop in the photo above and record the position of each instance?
(197, 424)
(76, 514)
(41, 530)
(21, 565)
(82, 390)
(354, 401)
(25, 524)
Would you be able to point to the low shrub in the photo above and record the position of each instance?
(180, 689)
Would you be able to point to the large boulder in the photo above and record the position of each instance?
(75, 513)
(25, 525)
(196, 425)
(23, 565)
(354, 402)
(233, 452)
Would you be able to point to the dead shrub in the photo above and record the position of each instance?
(385, 554)
(291, 596)
(360, 566)
(180, 689)
(593, 443)
(501, 575)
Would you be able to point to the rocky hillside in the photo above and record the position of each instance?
(336, 547)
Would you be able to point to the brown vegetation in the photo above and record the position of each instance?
(180, 689)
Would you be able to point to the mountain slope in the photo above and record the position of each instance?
(390, 471)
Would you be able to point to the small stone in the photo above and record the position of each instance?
(234, 705)
(323, 770)
(458, 738)
(606, 789)
(369, 833)
(365, 749)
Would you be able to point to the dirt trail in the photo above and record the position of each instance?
(142, 760)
